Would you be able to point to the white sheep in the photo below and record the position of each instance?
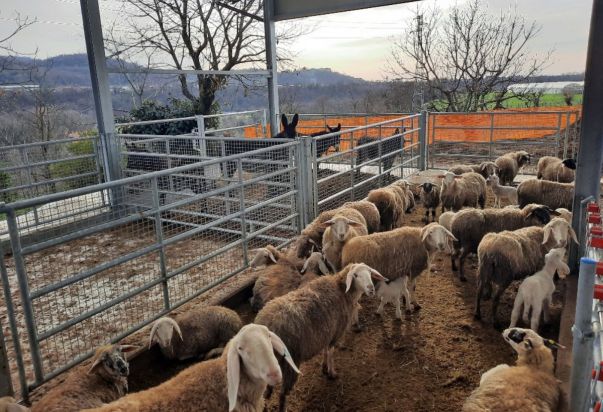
(390, 291)
(234, 382)
(508, 193)
(9, 404)
(446, 219)
(536, 291)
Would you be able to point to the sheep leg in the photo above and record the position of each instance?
(464, 253)
(536, 312)
(482, 201)
(546, 311)
(526, 312)
(495, 302)
(398, 310)
(413, 287)
(433, 214)
(289, 379)
(516, 309)
(426, 219)
(381, 306)
(453, 257)
(477, 314)
(407, 298)
(328, 366)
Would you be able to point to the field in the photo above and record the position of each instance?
(547, 100)
(429, 361)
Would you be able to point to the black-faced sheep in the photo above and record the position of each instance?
(469, 226)
(200, 332)
(509, 165)
(556, 170)
(430, 198)
(486, 169)
(312, 319)
(468, 189)
(530, 385)
(403, 252)
(545, 192)
(536, 292)
(105, 381)
(234, 382)
(513, 255)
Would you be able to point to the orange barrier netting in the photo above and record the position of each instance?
(516, 124)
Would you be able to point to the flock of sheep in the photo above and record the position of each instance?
(307, 296)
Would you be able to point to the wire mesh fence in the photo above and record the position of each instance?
(464, 138)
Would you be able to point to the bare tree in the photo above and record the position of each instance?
(570, 91)
(199, 35)
(8, 60)
(467, 58)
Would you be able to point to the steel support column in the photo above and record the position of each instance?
(95, 49)
(590, 153)
(271, 66)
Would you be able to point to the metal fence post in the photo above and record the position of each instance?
(583, 336)
(10, 312)
(242, 211)
(491, 136)
(566, 135)
(423, 140)
(201, 134)
(306, 181)
(6, 383)
(28, 312)
(159, 236)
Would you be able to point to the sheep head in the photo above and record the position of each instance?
(263, 256)
(254, 347)
(523, 158)
(316, 260)
(557, 233)
(493, 180)
(531, 348)
(110, 363)
(361, 276)
(554, 259)
(163, 331)
(490, 168)
(569, 163)
(539, 214)
(340, 227)
(426, 187)
(436, 237)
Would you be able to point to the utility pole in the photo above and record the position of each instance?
(418, 98)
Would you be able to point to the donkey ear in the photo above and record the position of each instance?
(284, 121)
(233, 374)
(295, 120)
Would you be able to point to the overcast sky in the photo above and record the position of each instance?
(356, 43)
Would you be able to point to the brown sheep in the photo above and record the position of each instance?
(340, 229)
(530, 385)
(105, 381)
(401, 252)
(486, 169)
(234, 382)
(469, 226)
(509, 165)
(390, 205)
(468, 189)
(9, 404)
(552, 194)
(556, 170)
(201, 331)
(312, 319)
(512, 255)
(311, 236)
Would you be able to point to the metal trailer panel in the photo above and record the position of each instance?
(293, 9)
(590, 152)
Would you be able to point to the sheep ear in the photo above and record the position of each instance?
(328, 223)
(281, 349)
(565, 270)
(128, 348)
(547, 234)
(233, 374)
(376, 275)
(450, 235)
(323, 267)
(551, 344)
(425, 235)
(527, 343)
(305, 266)
(96, 364)
(573, 235)
(354, 223)
(350, 278)
(271, 256)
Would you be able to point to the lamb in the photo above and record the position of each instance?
(403, 252)
(486, 169)
(468, 189)
(390, 291)
(289, 273)
(340, 229)
(312, 234)
(391, 205)
(508, 193)
(509, 165)
(9, 404)
(530, 385)
(312, 319)
(469, 226)
(512, 255)
(545, 192)
(235, 382)
(430, 197)
(536, 291)
(556, 170)
(201, 332)
(105, 381)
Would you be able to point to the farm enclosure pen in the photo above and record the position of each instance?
(164, 237)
